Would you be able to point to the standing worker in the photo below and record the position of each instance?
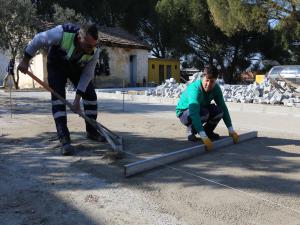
(10, 67)
(196, 111)
(11, 73)
(73, 54)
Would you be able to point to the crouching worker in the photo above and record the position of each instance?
(72, 54)
(198, 114)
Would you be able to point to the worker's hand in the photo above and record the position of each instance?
(76, 104)
(208, 144)
(234, 135)
(23, 66)
(206, 141)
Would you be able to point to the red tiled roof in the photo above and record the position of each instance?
(115, 36)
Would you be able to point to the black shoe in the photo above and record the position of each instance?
(66, 148)
(192, 137)
(95, 136)
(213, 136)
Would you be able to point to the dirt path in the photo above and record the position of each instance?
(38, 186)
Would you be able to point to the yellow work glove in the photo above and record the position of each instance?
(234, 135)
(206, 141)
(208, 144)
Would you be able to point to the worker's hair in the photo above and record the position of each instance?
(210, 72)
(88, 28)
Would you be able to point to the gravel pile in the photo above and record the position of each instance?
(268, 92)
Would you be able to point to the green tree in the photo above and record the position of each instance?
(208, 44)
(173, 16)
(231, 34)
(139, 17)
(144, 19)
(17, 24)
(289, 38)
(279, 18)
(233, 16)
(64, 15)
(288, 32)
(104, 12)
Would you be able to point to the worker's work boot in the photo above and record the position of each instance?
(209, 130)
(66, 147)
(95, 136)
(192, 137)
(191, 133)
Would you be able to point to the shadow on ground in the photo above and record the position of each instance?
(262, 165)
(262, 162)
(25, 105)
(116, 107)
(32, 176)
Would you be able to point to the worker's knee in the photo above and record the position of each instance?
(184, 118)
(218, 117)
(90, 106)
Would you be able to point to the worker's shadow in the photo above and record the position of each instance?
(48, 144)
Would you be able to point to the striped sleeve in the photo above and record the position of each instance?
(194, 107)
(219, 99)
(44, 40)
(87, 74)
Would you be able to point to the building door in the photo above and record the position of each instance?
(133, 70)
(161, 74)
(168, 71)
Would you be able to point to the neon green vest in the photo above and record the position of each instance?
(67, 44)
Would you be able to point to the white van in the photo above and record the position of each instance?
(289, 72)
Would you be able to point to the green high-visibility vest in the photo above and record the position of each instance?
(67, 44)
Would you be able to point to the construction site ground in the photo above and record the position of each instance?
(255, 182)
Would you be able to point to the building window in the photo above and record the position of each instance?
(102, 66)
(153, 66)
(175, 67)
(169, 72)
(161, 74)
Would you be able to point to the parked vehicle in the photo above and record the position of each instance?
(289, 72)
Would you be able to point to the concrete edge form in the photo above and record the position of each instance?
(161, 160)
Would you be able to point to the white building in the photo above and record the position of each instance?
(4, 60)
(127, 59)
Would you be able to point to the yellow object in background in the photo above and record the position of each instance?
(259, 78)
(160, 69)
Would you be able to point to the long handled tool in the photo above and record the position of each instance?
(10, 86)
(115, 141)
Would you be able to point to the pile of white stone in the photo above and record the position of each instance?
(267, 92)
(169, 89)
